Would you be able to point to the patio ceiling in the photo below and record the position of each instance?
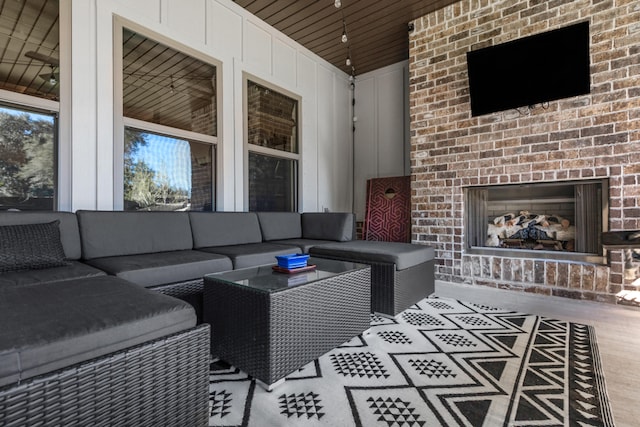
(377, 35)
(377, 30)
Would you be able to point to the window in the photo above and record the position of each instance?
(170, 127)
(166, 173)
(27, 166)
(273, 149)
(29, 91)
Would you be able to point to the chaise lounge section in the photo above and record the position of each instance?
(80, 347)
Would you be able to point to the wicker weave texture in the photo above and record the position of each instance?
(189, 291)
(413, 284)
(161, 383)
(393, 291)
(271, 335)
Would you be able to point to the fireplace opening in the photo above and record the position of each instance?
(560, 220)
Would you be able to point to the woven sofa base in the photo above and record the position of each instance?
(161, 383)
(393, 291)
(189, 291)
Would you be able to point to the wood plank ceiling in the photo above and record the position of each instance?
(377, 31)
(377, 35)
(29, 47)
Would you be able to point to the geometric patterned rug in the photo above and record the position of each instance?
(441, 362)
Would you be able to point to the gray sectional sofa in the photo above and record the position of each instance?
(90, 328)
(101, 310)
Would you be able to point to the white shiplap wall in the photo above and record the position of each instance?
(241, 43)
(381, 137)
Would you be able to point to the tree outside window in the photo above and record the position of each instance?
(27, 147)
(170, 126)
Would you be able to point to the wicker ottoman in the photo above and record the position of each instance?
(269, 324)
(401, 273)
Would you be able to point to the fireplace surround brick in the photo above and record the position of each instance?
(585, 137)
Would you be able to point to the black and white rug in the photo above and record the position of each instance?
(440, 363)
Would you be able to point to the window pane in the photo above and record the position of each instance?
(165, 173)
(30, 52)
(164, 86)
(271, 183)
(272, 118)
(27, 172)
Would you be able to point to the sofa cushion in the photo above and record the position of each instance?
(51, 326)
(69, 234)
(74, 270)
(224, 228)
(338, 226)
(163, 267)
(303, 244)
(116, 233)
(280, 225)
(252, 254)
(403, 255)
(30, 247)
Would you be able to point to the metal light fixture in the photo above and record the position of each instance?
(52, 78)
(344, 38)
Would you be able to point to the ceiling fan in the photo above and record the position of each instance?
(52, 78)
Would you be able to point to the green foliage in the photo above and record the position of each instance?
(26, 156)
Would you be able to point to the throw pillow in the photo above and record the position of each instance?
(31, 246)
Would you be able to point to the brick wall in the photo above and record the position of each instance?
(596, 135)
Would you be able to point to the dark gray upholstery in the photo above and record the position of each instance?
(224, 228)
(280, 225)
(303, 244)
(50, 326)
(116, 233)
(30, 246)
(69, 234)
(403, 255)
(339, 226)
(74, 270)
(252, 254)
(163, 267)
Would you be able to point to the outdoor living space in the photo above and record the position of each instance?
(461, 177)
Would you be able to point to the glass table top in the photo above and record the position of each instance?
(264, 278)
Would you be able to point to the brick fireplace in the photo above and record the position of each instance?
(589, 138)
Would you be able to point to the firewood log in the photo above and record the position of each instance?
(500, 220)
(555, 219)
(566, 234)
(492, 241)
(496, 230)
(551, 232)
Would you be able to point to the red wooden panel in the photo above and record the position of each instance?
(388, 209)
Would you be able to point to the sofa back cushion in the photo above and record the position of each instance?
(30, 246)
(280, 225)
(69, 234)
(224, 228)
(338, 226)
(115, 233)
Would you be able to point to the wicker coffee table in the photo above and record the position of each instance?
(269, 324)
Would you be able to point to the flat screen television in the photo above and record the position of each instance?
(531, 70)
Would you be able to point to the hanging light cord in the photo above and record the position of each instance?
(346, 40)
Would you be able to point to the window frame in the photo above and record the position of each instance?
(120, 122)
(248, 147)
